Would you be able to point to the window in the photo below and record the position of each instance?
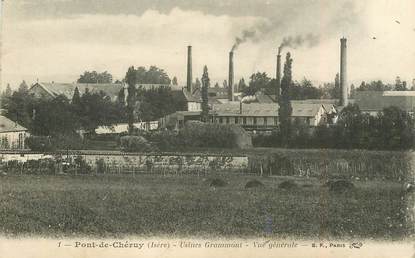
(227, 120)
(244, 120)
(220, 120)
(254, 120)
(236, 120)
(265, 121)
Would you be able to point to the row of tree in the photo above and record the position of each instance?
(391, 129)
(86, 111)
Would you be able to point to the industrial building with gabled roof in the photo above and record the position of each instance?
(252, 117)
(372, 102)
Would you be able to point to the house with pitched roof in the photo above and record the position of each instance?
(12, 135)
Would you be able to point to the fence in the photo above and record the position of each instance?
(324, 164)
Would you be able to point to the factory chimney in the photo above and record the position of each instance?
(278, 75)
(344, 101)
(189, 70)
(230, 79)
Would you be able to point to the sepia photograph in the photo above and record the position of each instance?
(134, 127)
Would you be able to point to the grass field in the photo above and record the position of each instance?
(149, 205)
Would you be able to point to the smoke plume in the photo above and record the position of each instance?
(309, 40)
(246, 34)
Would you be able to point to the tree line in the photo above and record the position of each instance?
(390, 129)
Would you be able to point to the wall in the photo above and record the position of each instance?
(325, 164)
(39, 92)
(10, 140)
(194, 106)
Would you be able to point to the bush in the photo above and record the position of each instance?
(339, 186)
(198, 134)
(40, 143)
(166, 140)
(135, 144)
(71, 141)
(217, 182)
(288, 185)
(254, 184)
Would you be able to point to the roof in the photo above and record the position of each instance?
(263, 98)
(191, 97)
(67, 89)
(328, 104)
(399, 93)
(265, 109)
(7, 125)
(378, 100)
(147, 86)
(110, 89)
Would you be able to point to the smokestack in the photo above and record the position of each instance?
(189, 70)
(278, 75)
(344, 101)
(230, 79)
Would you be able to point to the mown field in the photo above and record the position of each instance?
(186, 206)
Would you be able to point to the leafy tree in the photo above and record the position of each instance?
(76, 99)
(95, 77)
(305, 90)
(352, 91)
(374, 86)
(5, 96)
(154, 75)
(61, 121)
(23, 88)
(216, 85)
(241, 85)
(121, 97)
(395, 129)
(158, 102)
(285, 109)
(400, 85)
(225, 84)
(174, 81)
(197, 85)
(351, 126)
(205, 86)
(8, 92)
(131, 80)
(19, 107)
(258, 81)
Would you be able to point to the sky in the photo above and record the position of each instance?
(57, 40)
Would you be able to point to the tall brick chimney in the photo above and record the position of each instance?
(189, 70)
(278, 75)
(344, 99)
(230, 79)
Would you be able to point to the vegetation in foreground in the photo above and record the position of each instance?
(148, 205)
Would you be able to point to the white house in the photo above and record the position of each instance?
(12, 135)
